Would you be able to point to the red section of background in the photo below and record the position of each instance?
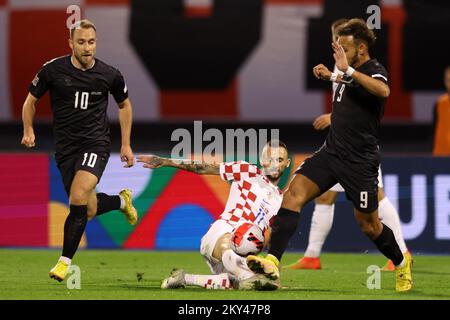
(29, 50)
(399, 102)
(198, 12)
(107, 2)
(179, 191)
(24, 199)
(201, 103)
(3, 3)
(328, 96)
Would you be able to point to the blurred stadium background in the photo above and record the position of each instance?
(232, 64)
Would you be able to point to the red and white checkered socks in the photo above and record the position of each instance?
(214, 281)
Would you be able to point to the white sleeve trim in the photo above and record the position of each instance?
(378, 75)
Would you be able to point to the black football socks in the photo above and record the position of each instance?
(283, 227)
(388, 246)
(106, 203)
(73, 229)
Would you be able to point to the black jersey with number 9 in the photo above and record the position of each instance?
(356, 116)
(79, 101)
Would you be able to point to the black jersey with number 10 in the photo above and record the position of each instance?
(79, 101)
(356, 116)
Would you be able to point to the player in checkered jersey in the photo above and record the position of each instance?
(254, 197)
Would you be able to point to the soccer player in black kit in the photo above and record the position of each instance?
(79, 85)
(350, 155)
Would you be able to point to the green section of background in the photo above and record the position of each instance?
(113, 274)
(115, 223)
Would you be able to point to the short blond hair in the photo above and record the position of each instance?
(82, 24)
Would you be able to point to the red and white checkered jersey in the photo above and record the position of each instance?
(252, 196)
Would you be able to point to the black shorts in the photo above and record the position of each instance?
(359, 180)
(93, 161)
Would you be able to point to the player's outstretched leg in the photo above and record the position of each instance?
(389, 216)
(301, 190)
(383, 237)
(102, 203)
(179, 279)
(321, 222)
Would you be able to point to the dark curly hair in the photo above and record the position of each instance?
(359, 30)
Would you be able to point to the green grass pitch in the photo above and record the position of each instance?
(114, 275)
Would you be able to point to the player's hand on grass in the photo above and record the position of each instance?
(340, 57)
(321, 72)
(150, 161)
(126, 155)
(322, 122)
(28, 140)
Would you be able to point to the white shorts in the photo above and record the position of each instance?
(338, 188)
(208, 243)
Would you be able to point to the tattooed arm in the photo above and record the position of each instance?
(154, 162)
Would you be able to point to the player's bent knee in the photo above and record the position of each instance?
(369, 231)
(294, 200)
(79, 197)
(92, 205)
(369, 228)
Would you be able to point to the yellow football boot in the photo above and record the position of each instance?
(129, 211)
(267, 266)
(389, 266)
(404, 276)
(59, 271)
